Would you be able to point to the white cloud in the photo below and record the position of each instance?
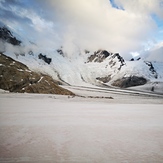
(135, 54)
(97, 24)
(142, 7)
(91, 24)
(155, 53)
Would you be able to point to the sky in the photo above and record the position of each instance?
(130, 27)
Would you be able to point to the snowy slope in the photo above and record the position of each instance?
(85, 67)
(44, 128)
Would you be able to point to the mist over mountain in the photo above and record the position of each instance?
(155, 53)
(85, 67)
(115, 25)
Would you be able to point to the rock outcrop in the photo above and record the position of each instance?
(44, 58)
(152, 69)
(129, 82)
(101, 55)
(16, 77)
(7, 36)
(105, 79)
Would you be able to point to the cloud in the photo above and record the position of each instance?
(142, 7)
(96, 24)
(155, 53)
(86, 24)
(24, 18)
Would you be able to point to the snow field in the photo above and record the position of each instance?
(51, 128)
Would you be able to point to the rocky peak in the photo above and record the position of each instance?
(6, 35)
(120, 60)
(101, 55)
(151, 69)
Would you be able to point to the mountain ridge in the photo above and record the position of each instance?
(88, 67)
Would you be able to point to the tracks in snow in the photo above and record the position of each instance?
(116, 91)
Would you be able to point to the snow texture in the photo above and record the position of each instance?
(54, 128)
(77, 71)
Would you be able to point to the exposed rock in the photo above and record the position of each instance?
(151, 69)
(104, 79)
(121, 60)
(31, 53)
(7, 36)
(16, 77)
(152, 89)
(45, 58)
(99, 56)
(86, 51)
(60, 51)
(129, 81)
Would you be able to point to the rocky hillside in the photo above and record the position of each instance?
(111, 69)
(17, 77)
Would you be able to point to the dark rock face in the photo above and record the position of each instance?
(121, 60)
(44, 58)
(99, 56)
(106, 54)
(16, 77)
(60, 51)
(129, 82)
(7, 36)
(151, 69)
(104, 79)
(86, 51)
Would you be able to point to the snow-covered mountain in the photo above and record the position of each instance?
(86, 67)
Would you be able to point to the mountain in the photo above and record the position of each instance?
(85, 68)
(17, 77)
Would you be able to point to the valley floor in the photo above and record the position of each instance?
(53, 128)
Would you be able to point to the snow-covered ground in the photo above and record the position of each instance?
(54, 128)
